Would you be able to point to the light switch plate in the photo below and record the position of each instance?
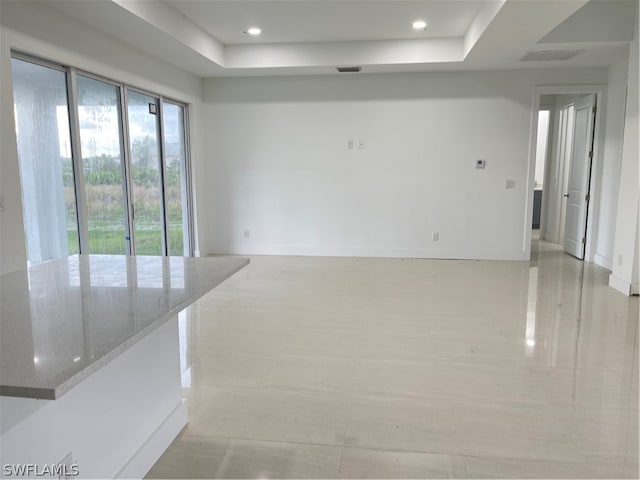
(511, 184)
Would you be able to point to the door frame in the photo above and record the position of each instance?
(596, 167)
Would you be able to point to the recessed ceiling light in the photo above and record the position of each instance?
(253, 31)
(419, 25)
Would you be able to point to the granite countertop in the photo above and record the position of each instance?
(62, 320)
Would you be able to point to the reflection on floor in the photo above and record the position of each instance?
(388, 368)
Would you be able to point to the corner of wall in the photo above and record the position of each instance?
(624, 276)
(13, 255)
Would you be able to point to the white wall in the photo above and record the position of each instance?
(39, 30)
(624, 276)
(269, 154)
(13, 252)
(610, 172)
(279, 166)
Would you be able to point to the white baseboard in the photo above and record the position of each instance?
(623, 286)
(147, 455)
(603, 261)
(386, 252)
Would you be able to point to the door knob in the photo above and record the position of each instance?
(566, 195)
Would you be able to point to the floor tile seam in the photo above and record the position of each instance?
(276, 389)
(225, 460)
(262, 440)
(612, 463)
(359, 394)
(451, 455)
(342, 394)
(331, 445)
(494, 458)
(340, 462)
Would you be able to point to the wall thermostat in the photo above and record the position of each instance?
(481, 163)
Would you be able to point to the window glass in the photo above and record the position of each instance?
(46, 168)
(175, 179)
(102, 163)
(146, 184)
(108, 179)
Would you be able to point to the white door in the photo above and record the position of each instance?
(576, 195)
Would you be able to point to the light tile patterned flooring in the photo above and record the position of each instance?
(307, 367)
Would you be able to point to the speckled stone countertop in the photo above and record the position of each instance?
(62, 320)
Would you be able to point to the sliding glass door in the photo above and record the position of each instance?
(175, 178)
(104, 167)
(146, 179)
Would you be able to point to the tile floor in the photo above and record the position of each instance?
(304, 367)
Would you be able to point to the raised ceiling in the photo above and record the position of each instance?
(206, 37)
(290, 21)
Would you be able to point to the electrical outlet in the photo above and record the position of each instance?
(350, 144)
(361, 145)
(511, 184)
(435, 236)
(247, 234)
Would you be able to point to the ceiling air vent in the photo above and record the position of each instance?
(349, 69)
(549, 55)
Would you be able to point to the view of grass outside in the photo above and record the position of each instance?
(107, 234)
(44, 138)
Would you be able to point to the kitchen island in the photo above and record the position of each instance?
(89, 359)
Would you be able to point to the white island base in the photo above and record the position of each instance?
(138, 392)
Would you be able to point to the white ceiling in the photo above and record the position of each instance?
(291, 21)
(206, 37)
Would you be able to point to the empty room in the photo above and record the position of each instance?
(319, 239)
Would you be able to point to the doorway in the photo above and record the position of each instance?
(566, 136)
